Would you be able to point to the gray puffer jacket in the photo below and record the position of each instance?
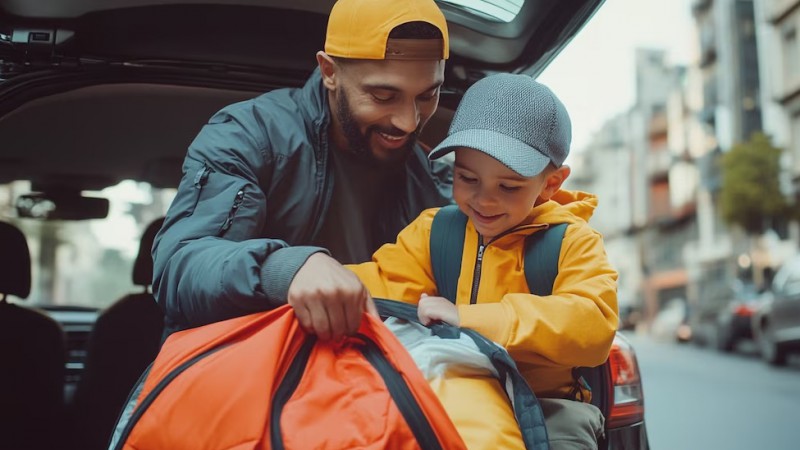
(256, 185)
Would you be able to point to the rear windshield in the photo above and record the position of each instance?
(86, 262)
(494, 10)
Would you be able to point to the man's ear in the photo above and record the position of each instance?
(553, 182)
(328, 68)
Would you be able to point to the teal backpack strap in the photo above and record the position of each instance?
(446, 247)
(542, 250)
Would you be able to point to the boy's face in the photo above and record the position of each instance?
(495, 197)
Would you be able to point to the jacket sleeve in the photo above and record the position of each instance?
(210, 261)
(574, 326)
(400, 271)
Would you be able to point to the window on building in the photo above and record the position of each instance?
(791, 53)
(795, 143)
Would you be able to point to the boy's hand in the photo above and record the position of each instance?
(432, 309)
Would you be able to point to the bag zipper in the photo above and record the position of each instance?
(397, 387)
(286, 389)
(401, 395)
(150, 398)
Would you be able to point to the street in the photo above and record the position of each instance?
(698, 398)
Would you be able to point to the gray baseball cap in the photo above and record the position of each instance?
(514, 119)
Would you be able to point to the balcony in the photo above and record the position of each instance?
(708, 115)
(659, 161)
(708, 45)
(658, 125)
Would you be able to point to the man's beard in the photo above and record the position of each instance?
(358, 142)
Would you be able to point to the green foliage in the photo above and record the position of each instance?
(751, 196)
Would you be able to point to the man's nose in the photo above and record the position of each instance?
(406, 118)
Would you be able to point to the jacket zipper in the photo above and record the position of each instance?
(476, 273)
(150, 398)
(286, 389)
(237, 202)
(402, 396)
(324, 184)
(201, 178)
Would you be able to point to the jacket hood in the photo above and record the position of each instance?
(565, 207)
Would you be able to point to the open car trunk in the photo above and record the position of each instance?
(98, 91)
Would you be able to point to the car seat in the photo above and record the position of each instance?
(32, 351)
(124, 341)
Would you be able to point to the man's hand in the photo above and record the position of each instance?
(328, 299)
(431, 309)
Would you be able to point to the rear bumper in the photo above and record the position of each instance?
(741, 327)
(631, 437)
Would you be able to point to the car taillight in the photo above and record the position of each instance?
(627, 405)
(744, 310)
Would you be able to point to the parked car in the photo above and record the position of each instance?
(776, 325)
(720, 317)
(98, 104)
(735, 319)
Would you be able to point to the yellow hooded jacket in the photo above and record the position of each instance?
(547, 336)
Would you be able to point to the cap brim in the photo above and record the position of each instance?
(518, 156)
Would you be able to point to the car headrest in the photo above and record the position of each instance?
(143, 267)
(15, 278)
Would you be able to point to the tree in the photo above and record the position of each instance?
(751, 196)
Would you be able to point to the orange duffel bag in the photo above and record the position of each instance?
(260, 382)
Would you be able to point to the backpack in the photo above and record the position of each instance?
(260, 382)
(542, 250)
(468, 370)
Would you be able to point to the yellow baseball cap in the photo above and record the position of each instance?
(359, 29)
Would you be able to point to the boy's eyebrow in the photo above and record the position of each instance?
(389, 87)
(461, 166)
(515, 178)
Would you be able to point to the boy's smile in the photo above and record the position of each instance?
(495, 197)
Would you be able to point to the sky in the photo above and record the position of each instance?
(594, 76)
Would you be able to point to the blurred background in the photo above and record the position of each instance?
(686, 123)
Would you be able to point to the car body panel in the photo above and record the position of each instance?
(776, 324)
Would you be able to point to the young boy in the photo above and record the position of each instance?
(511, 136)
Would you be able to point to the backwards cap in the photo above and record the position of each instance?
(359, 29)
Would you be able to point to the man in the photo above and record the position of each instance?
(279, 190)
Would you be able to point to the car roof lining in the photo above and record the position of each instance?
(526, 43)
(75, 8)
(99, 135)
(96, 136)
